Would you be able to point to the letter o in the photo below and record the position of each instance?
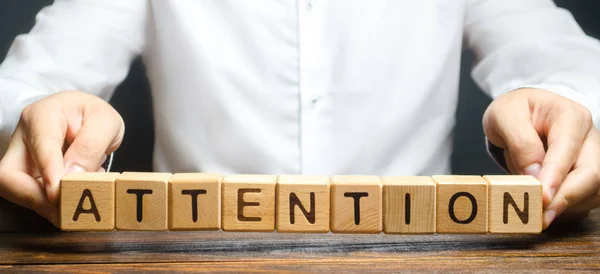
(473, 207)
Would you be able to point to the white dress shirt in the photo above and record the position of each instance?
(307, 86)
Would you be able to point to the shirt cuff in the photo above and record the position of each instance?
(497, 154)
(108, 163)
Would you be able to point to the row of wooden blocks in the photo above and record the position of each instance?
(300, 203)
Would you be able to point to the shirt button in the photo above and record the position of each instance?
(315, 101)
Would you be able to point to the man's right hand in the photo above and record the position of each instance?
(66, 132)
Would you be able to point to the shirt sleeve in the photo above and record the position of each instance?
(533, 44)
(85, 45)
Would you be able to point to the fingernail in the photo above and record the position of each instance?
(551, 193)
(48, 187)
(549, 216)
(75, 168)
(533, 170)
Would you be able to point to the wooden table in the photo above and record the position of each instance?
(563, 247)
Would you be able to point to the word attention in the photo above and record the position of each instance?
(301, 203)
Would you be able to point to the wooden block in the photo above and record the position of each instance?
(461, 204)
(515, 204)
(302, 203)
(195, 201)
(87, 201)
(248, 203)
(356, 204)
(408, 204)
(142, 201)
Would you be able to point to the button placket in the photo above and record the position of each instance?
(315, 135)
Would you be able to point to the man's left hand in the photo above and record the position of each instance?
(554, 139)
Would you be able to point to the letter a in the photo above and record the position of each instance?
(93, 209)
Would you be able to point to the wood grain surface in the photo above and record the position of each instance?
(312, 194)
(408, 205)
(87, 201)
(562, 247)
(141, 201)
(508, 211)
(248, 202)
(461, 204)
(195, 201)
(356, 204)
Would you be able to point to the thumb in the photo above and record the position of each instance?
(98, 136)
(508, 125)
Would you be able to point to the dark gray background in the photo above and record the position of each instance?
(17, 16)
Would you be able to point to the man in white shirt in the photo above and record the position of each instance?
(306, 86)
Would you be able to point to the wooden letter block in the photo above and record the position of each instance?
(356, 204)
(142, 201)
(408, 204)
(248, 203)
(461, 204)
(515, 204)
(195, 201)
(87, 201)
(302, 203)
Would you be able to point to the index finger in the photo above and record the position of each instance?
(44, 135)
